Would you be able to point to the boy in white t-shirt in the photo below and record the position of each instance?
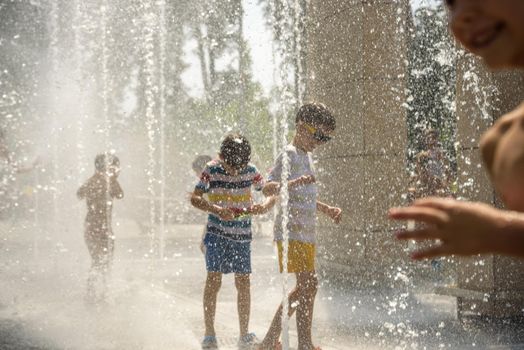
(314, 126)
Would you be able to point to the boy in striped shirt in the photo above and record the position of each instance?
(227, 181)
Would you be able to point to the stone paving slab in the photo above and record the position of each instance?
(156, 304)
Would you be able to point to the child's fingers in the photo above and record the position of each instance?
(439, 203)
(419, 235)
(422, 214)
(433, 252)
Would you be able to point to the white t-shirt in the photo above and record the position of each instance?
(302, 205)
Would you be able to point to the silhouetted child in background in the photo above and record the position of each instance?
(432, 172)
(99, 191)
(494, 30)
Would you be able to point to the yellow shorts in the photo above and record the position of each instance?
(301, 256)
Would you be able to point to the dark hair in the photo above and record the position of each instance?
(316, 114)
(200, 163)
(101, 161)
(235, 150)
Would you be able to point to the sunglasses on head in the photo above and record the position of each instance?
(317, 134)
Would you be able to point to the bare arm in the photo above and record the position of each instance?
(199, 202)
(116, 189)
(333, 212)
(322, 207)
(259, 209)
(273, 188)
(82, 191)
(462, 228)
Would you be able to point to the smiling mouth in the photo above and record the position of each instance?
(484, 38)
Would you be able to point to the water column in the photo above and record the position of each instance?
(52, 145)
(104, 31)
(151, 89)
(36, 220)
(53, 73)
(284, 200)
(162, 116)
(78, 50)
(285, 102)
(298, 32)
(357, 66)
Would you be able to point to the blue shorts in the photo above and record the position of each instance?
(226, 256)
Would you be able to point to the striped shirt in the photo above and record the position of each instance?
(302, 204)
(232, 192)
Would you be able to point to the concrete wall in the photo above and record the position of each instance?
(357, 66)
(357, 53)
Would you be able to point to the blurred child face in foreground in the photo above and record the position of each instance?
(503, 151)
(491, 29)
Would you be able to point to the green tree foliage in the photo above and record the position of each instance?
(232, 100)
(287, 22)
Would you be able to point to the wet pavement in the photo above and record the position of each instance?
(156, 304)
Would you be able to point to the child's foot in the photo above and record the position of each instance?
(209, 342)
(247, 341)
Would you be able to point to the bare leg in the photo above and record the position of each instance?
(213, 283)
(91, 283)
(242, 283)
(272, 335)
(307, 283)
(93, 278)
(105, 267)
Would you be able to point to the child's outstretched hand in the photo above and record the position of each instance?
(263, 208)
(335, 214)
(257, 209)
(463, 228)
(302, 180)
